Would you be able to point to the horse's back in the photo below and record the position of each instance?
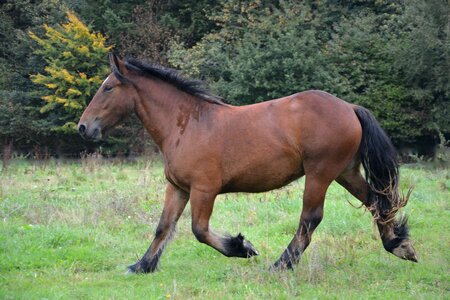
(310, 119)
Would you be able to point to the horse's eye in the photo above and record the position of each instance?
(107, 88)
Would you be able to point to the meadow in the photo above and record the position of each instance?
(69, 229)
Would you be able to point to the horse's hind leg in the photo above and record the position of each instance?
(202, 206)
(311, 216)
(354, 182)
(174, 204)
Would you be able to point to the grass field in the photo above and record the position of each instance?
(69, 229)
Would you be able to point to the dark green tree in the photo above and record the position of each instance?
(421, 62)
(390, 56)
(260, 52)
(110, 17)
(190, 19)
(21, 123)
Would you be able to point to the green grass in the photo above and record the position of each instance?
(69, 229)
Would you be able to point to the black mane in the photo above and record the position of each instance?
(193, 87)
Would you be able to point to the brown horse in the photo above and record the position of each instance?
(210, 148)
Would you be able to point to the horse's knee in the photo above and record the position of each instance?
(162, 230)
(200, 233)
(313, 217)
(317, 217)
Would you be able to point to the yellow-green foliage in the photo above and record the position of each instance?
(75, 67)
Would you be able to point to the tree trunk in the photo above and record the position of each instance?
(7, 153)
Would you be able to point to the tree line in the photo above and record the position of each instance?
(391, 56)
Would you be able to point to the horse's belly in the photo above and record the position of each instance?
(263, 178)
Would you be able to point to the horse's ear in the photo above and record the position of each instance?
(116, 62)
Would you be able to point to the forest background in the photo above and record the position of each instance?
(392, 57)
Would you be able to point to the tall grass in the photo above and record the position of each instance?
(69, 229)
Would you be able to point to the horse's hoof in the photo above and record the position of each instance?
(133, 269)
(141, 268)
(239, 247)
(251, 251)
(280, 265)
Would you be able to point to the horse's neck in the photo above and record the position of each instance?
(162, 107)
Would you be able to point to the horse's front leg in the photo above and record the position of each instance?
(202, 206)
(174, 204)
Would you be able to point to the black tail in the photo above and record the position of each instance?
(379, 159)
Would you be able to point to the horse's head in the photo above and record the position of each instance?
(114, 100)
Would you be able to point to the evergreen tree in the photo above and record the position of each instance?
(390, 56)
(420, 56)
(111, 17)
(21, 123)
(262, 51)
(75, 67)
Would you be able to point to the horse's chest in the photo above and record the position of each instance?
(185, 171)
(175, 175)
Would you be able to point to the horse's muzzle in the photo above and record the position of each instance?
(90, 133)
(82, 129)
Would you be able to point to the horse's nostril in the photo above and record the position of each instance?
(82, 129)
